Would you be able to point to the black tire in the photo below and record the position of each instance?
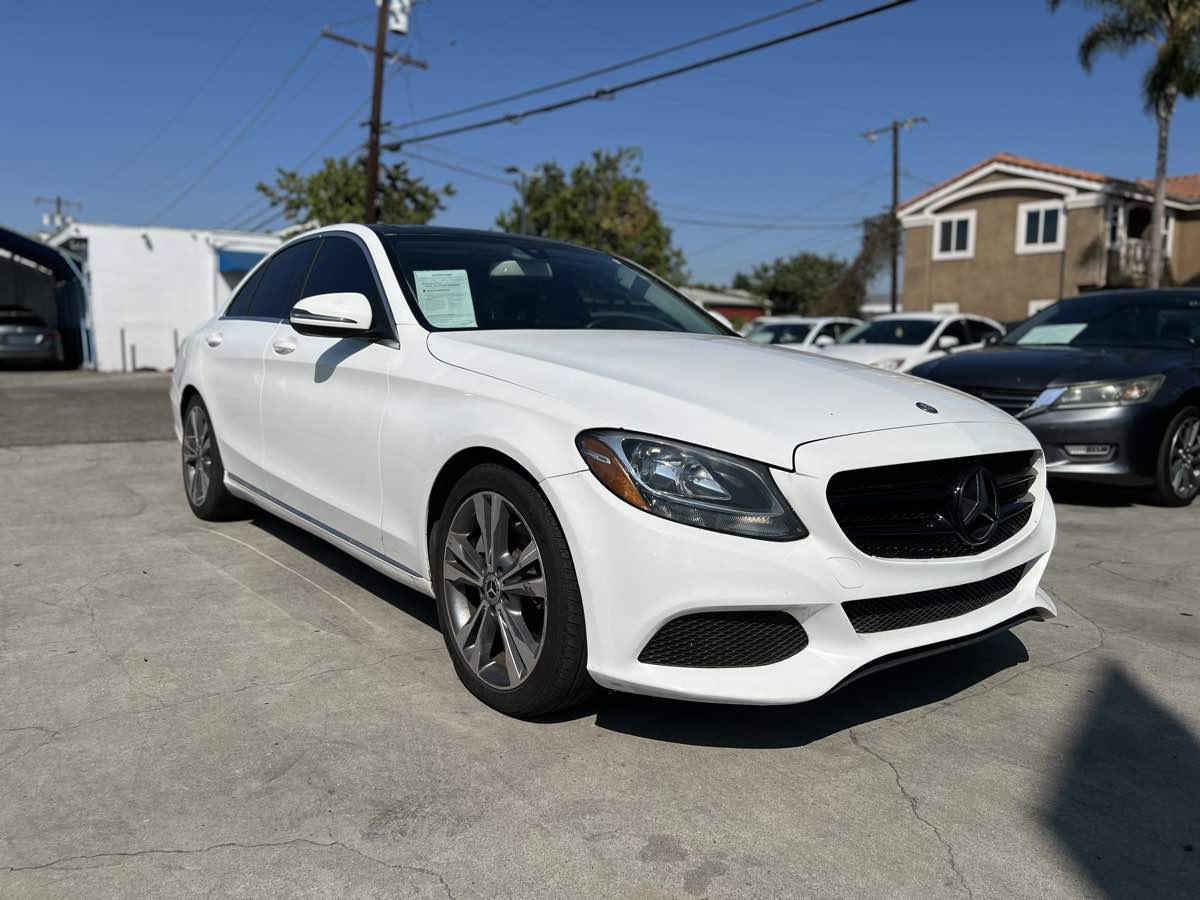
(214, 502)
(558, 679)
(1165, 491)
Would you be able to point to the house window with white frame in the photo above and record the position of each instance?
(1041, 227)
(954, 236)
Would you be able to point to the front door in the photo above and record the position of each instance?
(323, 400)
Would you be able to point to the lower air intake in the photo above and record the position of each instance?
(923, 607)
(717, 640)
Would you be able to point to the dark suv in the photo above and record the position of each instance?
(1109, 382)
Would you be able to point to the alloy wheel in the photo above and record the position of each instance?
(197, 455)
(495, 589)
(1184, 458)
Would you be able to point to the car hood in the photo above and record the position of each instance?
(720, 392)
(869, 353)
(1038, 367)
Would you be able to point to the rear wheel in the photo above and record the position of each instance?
(1178, 479)
(203, 473)
(507, 596)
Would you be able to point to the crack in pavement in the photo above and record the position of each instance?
(185, 851)
(913, 805)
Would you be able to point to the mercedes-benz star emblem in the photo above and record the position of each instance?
(976, 506)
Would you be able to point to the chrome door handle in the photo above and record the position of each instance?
(284, 346)
(214, 339)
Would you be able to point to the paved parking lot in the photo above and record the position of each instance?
(240, 710)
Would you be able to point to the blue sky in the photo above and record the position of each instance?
(125, 105)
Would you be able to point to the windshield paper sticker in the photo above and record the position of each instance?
(1052, 334)
(444, 296)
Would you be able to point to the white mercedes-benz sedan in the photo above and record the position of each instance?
(598, 483)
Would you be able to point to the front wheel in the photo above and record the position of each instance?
(508, 600)
(1178, 479)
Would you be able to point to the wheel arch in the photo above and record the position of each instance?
(455, 468)
(185, 397)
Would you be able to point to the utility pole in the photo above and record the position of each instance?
(522, 186)
(894, 226)
(58, 218)
(371, 213)
(393, 16)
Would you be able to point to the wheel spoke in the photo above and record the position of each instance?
(465, 558)
(498, 521)
(524, 559)
(529, 587)
(520, 647)
(482, 517)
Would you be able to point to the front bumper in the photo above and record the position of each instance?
(1132, 434)
(637, 572)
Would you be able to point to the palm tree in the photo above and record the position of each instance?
(1173, 28)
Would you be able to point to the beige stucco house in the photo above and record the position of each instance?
(1011, 235)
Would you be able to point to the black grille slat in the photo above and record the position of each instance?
(1011, 400)
(923, 607)
(718, 640)
(905, 511)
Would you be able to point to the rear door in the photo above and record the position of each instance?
(323, 402)
(232, 348)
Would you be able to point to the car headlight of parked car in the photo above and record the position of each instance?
(1098, 393)
(691, 485)
(890, 364)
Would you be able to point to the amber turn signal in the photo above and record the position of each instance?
(604, 465)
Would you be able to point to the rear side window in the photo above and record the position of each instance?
(240, 304)
(342, 266)
(279, 288)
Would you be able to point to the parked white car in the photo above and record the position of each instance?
(799, 332)
(902, 340)
(599, 485)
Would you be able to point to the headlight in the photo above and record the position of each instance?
(1098, 393)
(691, 485)
(890, 364)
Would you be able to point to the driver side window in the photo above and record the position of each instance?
(956, 329)
(341, 267)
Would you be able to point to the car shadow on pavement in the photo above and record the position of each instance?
(404, 599)
(1126, 798)
(896, 690)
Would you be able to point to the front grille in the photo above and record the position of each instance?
(1011, 400)
(716, 640)
(923, 607)
(907, 511)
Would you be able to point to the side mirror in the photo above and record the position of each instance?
(345, 313)
(992, 337)
(947, 342)
(823, 340)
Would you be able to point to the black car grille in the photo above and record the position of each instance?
(1011, 400)
(907, 511)
(923, 607)
(715, 640)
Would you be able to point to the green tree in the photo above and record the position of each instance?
(1172, 27)
(847, 296)
(603, 203)
(336, 191)
(793, 284)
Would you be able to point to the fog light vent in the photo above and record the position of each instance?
(1088, 451)
(716, 640)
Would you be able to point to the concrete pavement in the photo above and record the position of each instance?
(240, 710)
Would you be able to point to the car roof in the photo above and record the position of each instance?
(476, 233)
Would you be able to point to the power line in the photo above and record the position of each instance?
(240, 136)
(457, 168)
(605, 70)
(765, 226)
(187, 105)
(609, 93)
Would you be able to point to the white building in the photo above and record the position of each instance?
(148, 287)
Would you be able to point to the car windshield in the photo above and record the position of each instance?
(780, 334)
(890, 331)
(506, 282)
(1137, 320)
